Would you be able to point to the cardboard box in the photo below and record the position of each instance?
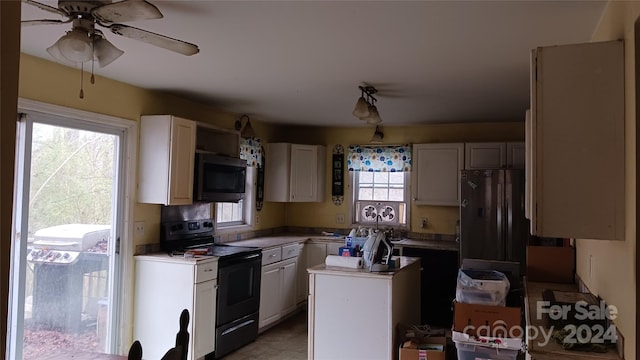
(551, 264)
(487, 320)
(429, 348)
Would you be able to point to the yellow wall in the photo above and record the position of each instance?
(52, 83)
(442, 219)
(613, 263)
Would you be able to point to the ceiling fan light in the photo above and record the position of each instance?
(105, 52)
(374, 116)
(76, 46)
(54, 51)
(361, 110)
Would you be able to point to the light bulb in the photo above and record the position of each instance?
(76, 46)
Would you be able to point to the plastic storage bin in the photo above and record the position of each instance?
(474, 352)
(485, 287)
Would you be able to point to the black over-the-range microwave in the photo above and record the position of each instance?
(219, 178)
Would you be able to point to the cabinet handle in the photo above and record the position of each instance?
(208, 270)
(272, 255)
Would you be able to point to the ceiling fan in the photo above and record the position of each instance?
(84, 42)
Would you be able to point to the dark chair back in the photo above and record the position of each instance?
(135, 351)
(179, 352)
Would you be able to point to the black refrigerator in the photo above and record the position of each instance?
(492, 222)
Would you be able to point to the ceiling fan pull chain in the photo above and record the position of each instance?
(81, 80)
(93, 78)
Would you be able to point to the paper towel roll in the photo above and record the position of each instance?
(344, 261)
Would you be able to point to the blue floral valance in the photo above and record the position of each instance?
(251, 151)
(382, 158)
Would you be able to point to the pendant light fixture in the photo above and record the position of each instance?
(365, 108)
(247, 130)
(377, 136)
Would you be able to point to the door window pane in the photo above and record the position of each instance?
(68, 239)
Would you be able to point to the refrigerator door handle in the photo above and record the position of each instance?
(509, 215)
(500, 220)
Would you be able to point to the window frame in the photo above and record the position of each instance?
(248, 207)
(354, 184)
(123, 262)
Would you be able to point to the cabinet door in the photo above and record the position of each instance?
(316, 254)
(516, 155)
(183, 144)
(304, 173)
(270, 294)
(490, 155)
(578, 111)
(289, 280)
(276, 172)
(333, 248)
(436, 173)
(302, 288)
(204, 331)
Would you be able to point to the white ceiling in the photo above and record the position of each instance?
(300, 62)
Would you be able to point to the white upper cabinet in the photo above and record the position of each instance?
(576, 141)
(491, 155)
(294, 173)
(494, 155)
(167, 152)
(515, 155)
(436, 173)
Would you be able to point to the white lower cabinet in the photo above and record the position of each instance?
(164, 287)
(278, 296)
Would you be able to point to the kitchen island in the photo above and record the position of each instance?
(353, 313)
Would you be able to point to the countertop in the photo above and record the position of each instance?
(279, 240)
(552, 350)
(405, 262)
(196, 259)
(445, 245)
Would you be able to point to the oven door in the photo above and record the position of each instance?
(238, 287)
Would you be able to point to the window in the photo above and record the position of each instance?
(72, 179)
(235, 215)
(380, 177)
(380, 197)
(229, 213)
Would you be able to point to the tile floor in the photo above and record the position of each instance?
(285, 341)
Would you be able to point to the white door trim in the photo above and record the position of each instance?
(130, 127)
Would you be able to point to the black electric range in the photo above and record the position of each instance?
(180, 236)
(239, 276)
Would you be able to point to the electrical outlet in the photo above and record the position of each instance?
(339, 218)
(424, 223)
(139, 228)
(257, 219)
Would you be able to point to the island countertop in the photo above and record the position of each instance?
(405, 262)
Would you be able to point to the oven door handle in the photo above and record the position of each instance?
(240, 259)
(241, 325)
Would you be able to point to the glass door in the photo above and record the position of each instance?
(67, 227)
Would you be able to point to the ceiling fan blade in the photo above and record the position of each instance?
(162, 41)
(46, 7)
(127, 10)
(44, 22)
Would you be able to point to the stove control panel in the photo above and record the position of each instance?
(53, 256)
